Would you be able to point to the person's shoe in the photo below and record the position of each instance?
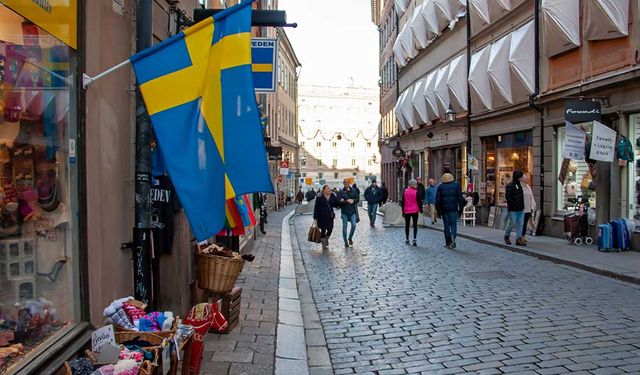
(350, 242)
(407, 242)
(415, 243)
(453, 244)
(346, 244)
(523, 239)
(448, 246)
(372, 225)
(519, 242)
(507, 240)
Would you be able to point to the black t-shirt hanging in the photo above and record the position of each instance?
(164, 203)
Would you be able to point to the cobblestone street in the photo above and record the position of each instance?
(389, 308)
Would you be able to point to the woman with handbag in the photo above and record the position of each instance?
(323, 214)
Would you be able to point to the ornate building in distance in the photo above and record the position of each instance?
(338, 135)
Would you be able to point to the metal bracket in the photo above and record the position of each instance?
(126, 246)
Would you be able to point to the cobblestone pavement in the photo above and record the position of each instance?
(250, 347)
(389, 308)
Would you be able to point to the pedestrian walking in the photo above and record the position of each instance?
(515, 206)
(355, 188)
(449, 204)
(411, 205)
(348, 199)
(373, 196)
(529, 204)
(422, 191)
(430, 199)
(324, 215)
(385, 193)
(299, 196)
(311, 195)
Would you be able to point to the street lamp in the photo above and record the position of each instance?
(450, 115)
(374, 158)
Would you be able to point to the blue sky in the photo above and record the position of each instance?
(334, 40)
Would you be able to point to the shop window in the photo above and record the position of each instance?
(335, 175)
(502, 156)
(319, 163)
(38, 257)
(634, 170)
(565, 69)
(577, 189)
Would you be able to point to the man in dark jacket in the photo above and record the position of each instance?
(385, 193)
(373, 195)
(422, 191)
(515, 206)
(449, 203)
(348, 199)
(311, 195)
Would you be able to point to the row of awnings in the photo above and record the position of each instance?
(426, 23)
(604, 19)
(428, 99)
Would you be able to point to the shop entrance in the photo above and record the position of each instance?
(503, 154)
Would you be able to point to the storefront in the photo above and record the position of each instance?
(503, 154)
(39, 262)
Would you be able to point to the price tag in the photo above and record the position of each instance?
(101, 337)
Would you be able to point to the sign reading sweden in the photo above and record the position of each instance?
(263, 58)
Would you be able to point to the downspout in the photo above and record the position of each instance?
(142, 230)
(532, 97)
(469, 147)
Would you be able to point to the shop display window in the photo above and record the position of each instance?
(503, 155)
(578, 189)
(38, 284)
(634, 170)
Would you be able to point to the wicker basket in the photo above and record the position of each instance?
(217, 273)
(168, 333)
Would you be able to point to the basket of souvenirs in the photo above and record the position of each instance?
(218, 268)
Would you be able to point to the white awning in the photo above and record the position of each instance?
(419, 103)
(406, 40)
(398, 53)
(430, 95)
(407, 108)
(481, 9)
(444, 11)
(498, 9)
(479, 78)
(401, 6)
(498, 68)
(419, 28)
(402, 123)
(428, 10)
(522, 55)
(458, 6)
(457, 82)
(442, 90)
(607, 19)
(561, 25)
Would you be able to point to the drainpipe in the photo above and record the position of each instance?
(142, 230)
(469, 147)
(532, 97)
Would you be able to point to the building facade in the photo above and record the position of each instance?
(526, 63)
(338, 135)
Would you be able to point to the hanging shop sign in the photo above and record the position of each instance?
(58, 17)
(574, 141)
(577, 111)
(603, 142)
(264, 52)
(284, 168)
(274, 152)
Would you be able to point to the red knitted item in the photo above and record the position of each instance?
(133, 312)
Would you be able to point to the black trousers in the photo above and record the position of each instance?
(527, 216)
(326, 233)
(407, 220)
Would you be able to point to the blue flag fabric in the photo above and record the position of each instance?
(198, 89)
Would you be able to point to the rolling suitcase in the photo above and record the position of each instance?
(571, 227)
(604, 237)
(620, 240)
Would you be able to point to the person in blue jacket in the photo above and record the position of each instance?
(430, 199)
(450, 203)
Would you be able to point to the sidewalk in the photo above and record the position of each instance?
(250, 348)
(624, 266)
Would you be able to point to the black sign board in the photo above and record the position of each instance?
(577, 111)
(275, 152)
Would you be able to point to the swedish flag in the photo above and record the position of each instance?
(198, 89)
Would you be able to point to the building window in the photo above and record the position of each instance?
(319, 162)
(335, 175)
(319, 175)
(318, 144)
(353, 162)
(355, 174)
(304, 174)
(335, 163)
(368, 144)
(334, 144)
(353, 144)
(370, 162)
(302, 144)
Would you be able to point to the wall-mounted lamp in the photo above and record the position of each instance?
(450, 115)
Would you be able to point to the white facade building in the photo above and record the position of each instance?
(338, 135)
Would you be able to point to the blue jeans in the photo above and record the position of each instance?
(450, 226)
(516, 219)
(372, 208)
(345, 220)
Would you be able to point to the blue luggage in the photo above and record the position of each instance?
(620, 235)
(604, 237)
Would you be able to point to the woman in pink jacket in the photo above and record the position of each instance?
(411, 205)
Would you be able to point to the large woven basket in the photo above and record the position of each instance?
(217, 273)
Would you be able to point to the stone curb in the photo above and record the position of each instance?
(291, 347)
(533, 253)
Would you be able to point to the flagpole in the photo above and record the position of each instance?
(87, 80)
